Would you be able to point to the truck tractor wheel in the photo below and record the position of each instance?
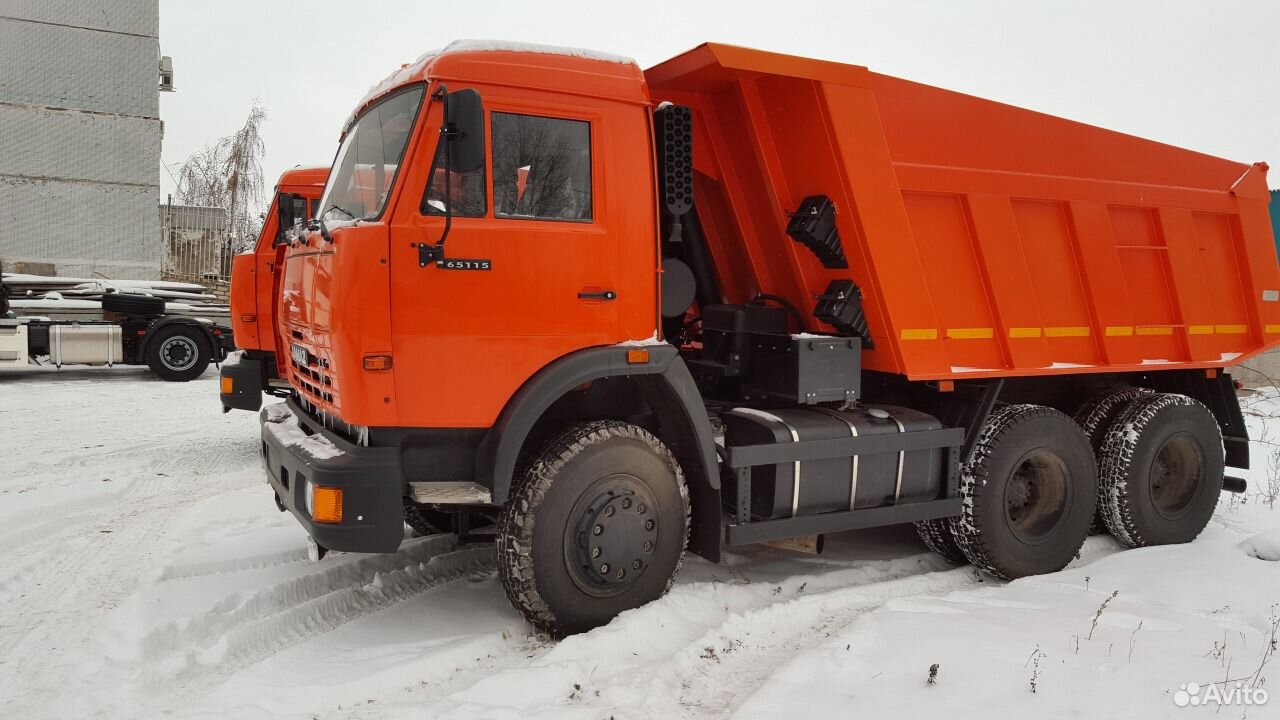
(1095, 417)
(937, 536)
(178, 353)
(1029, 490)
(596, 525)
(143, 306)
(1161, 471)
(426, 519)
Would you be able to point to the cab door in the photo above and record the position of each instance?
(530, 270)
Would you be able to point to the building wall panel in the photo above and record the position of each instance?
(78, 69)
(43, 143)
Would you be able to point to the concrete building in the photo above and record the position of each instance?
(80, 137)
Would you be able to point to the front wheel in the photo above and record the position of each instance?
(178, 353)
(596, 525)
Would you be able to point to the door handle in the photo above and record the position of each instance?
(601, 295)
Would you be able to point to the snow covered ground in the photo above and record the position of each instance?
(145, 572)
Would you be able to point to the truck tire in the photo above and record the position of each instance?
(936, 535)
(143, 306)
(178, 353)
(1095, 417)
(427, 520)
(596, 525)
(1029, 490)
(1161, 471)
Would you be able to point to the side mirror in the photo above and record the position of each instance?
(284, 216)
(290, 210)
(466, 119)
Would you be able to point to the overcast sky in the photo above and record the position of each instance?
(1200, 74)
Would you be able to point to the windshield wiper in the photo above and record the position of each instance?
(324, 230)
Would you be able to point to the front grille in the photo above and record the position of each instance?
(312, 379)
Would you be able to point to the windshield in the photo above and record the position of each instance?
(366, 165)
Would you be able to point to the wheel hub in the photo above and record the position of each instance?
(612, 533)
(1175, 475)
(1036, 496)
(178, 353)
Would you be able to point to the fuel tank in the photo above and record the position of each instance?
(818, 486)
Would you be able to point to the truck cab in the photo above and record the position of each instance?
(255, 290)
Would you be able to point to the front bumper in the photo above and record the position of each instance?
(296, 450)
(245, 376)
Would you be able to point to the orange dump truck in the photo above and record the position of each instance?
(255, 293)
(607, 315)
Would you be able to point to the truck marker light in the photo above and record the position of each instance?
(248, 318)
(228, 385)
(377, 362)
(637, 357)
(326, 504)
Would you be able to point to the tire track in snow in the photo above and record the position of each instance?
(244, 630)
(720, 669)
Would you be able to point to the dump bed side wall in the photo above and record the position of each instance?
(988, 239)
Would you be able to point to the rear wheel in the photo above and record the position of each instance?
(596, 525)
(1161, 471)
(178, 353)
(1095, 417)
(936, 535)
(1029, 490)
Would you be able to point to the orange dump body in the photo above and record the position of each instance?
(988, 240)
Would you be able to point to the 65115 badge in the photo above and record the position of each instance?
(464, 264)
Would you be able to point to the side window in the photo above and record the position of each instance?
(467, 189)
(541, 167)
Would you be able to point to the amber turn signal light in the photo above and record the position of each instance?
(326, 504)
(377, 362)
(638, 357)
(228, 385)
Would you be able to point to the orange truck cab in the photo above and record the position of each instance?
(255, 293)
(604, 315)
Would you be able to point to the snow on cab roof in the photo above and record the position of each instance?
(459, 46)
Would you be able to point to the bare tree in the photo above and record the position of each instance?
(228, 174)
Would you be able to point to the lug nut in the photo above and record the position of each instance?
(626, 503)
(640, 508)
(597, 530)
(648, 524)
(621, 574)
(648, 546)
(609, 511)
(604, 569)
(635, 565)
(595, 552)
